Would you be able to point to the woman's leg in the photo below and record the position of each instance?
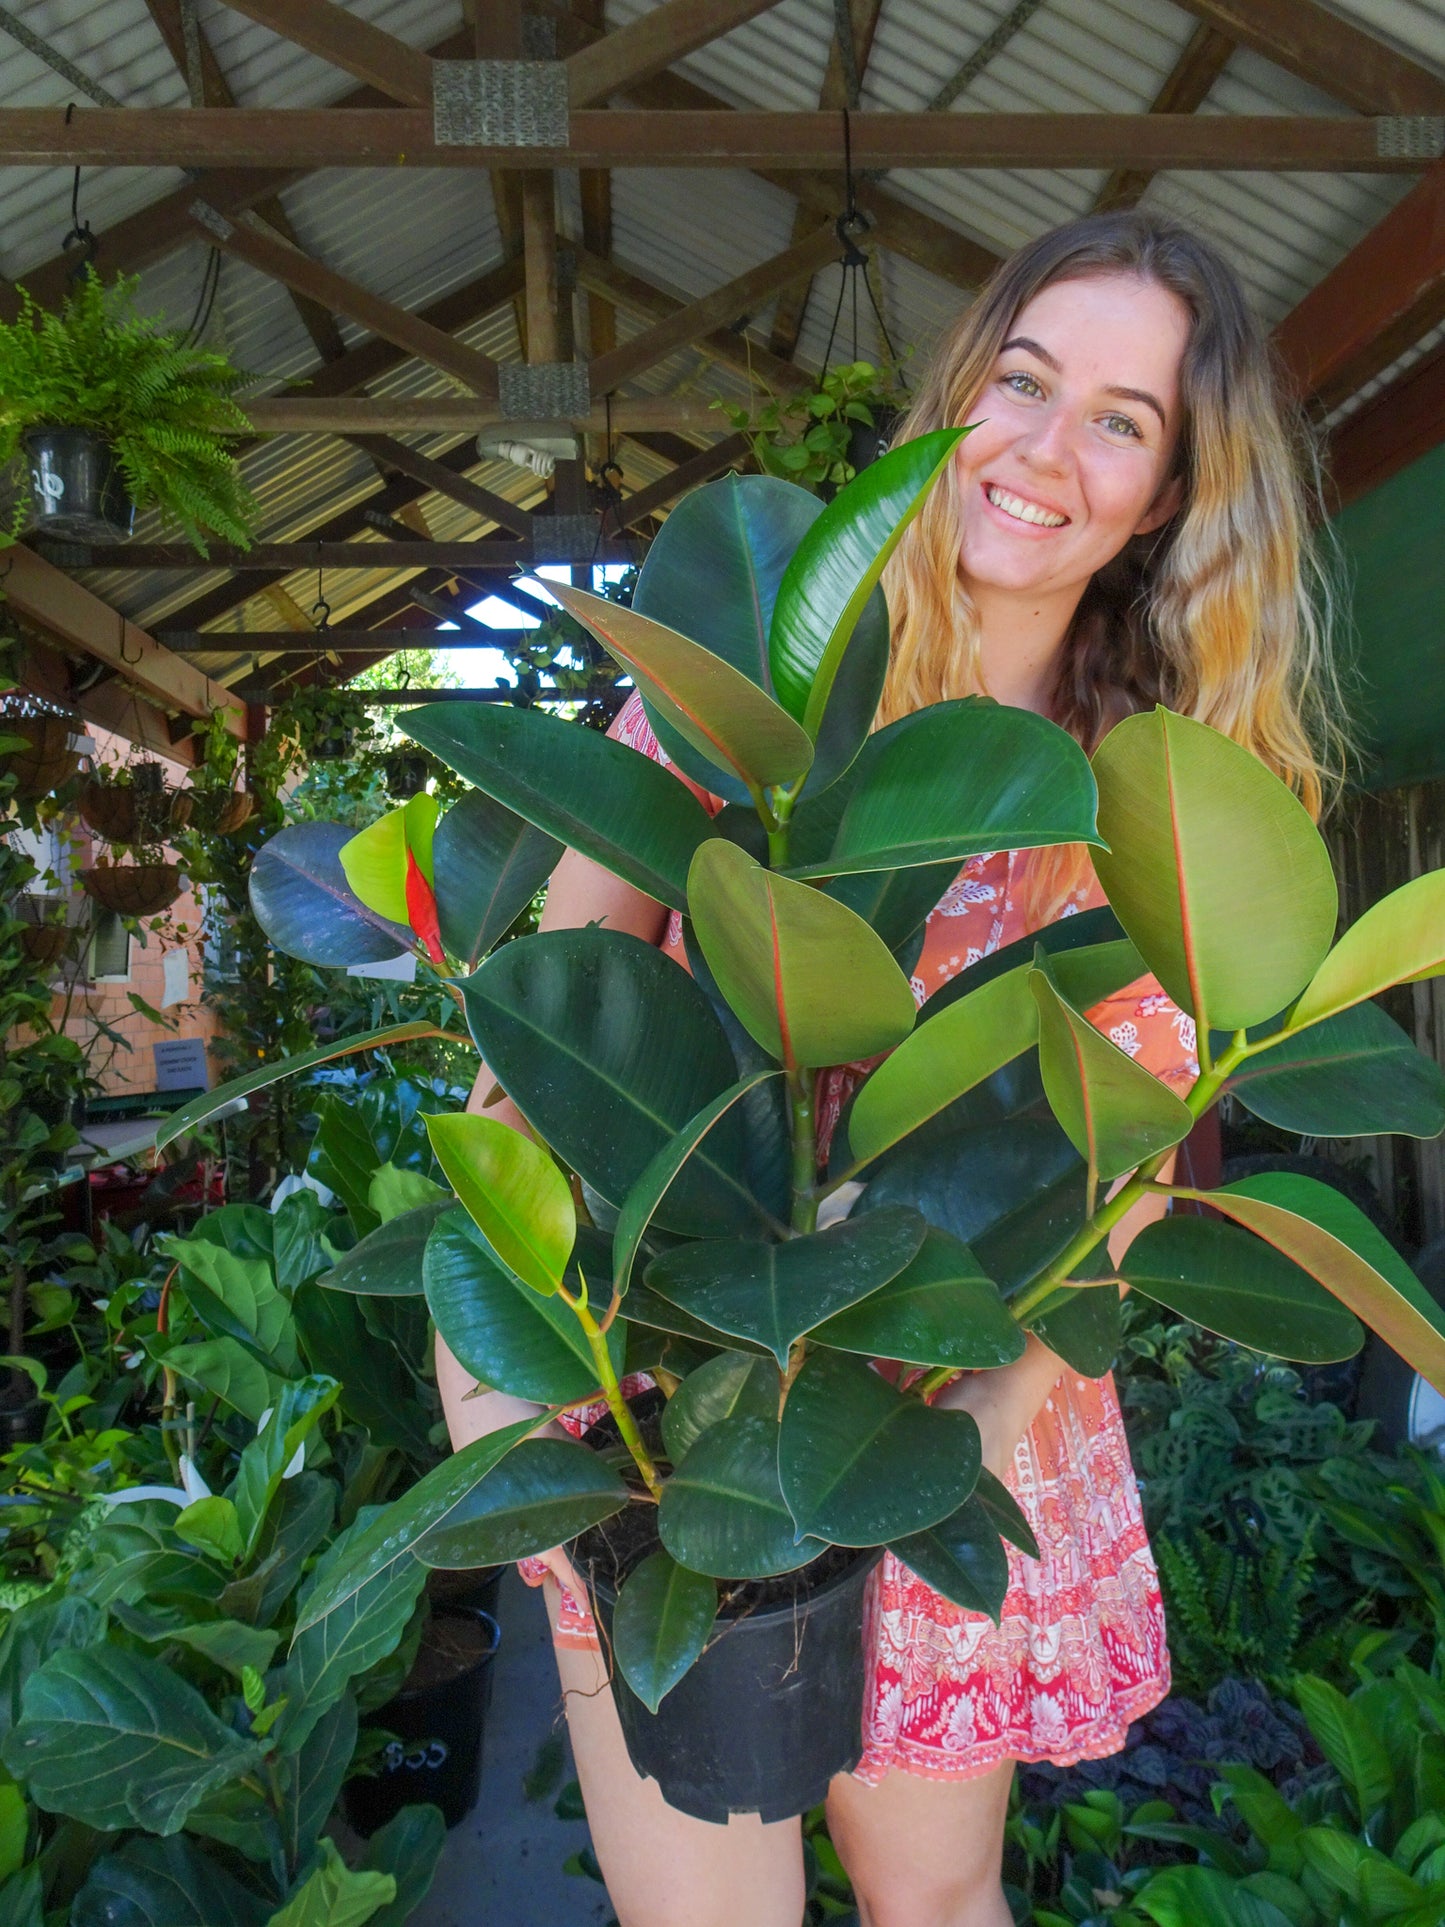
(663, 1868)
(924, 1853)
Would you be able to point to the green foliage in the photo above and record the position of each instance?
(165, 405)
(807, 437)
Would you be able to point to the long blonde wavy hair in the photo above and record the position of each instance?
(1223, 613)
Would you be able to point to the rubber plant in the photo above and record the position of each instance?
(664, 1215)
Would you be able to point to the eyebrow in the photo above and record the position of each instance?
(1040, 353)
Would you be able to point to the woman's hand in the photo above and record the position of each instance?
(1005, 1403)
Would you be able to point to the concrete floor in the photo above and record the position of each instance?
(503, 1865)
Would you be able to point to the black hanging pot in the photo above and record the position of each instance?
(436, 1720)
(866, 444)
(335, 745)
(406, 771)
(76, 484)
(768, 1715)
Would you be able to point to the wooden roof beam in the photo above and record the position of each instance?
(732, 452)
(653, 41)
(383, 61)
(1185, 90)
(1391, 430)
(1341, 59)
(441, 480)
(460, 415)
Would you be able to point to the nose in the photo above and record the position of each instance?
(1048, 443)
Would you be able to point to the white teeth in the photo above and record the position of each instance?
(1023, 511)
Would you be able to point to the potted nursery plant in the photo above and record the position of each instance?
(824, 436)
(111, 414)
(325, 722)
(217, 807)
(997, 1141)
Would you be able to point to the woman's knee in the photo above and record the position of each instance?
(923, 1853)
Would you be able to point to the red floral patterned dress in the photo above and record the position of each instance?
(1080, 1651)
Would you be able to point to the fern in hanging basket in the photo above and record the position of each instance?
(165, 407)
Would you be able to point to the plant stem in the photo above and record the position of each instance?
(805, 1150)
(611, 1391)
(777, 818)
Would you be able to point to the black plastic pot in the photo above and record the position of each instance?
(22, 1416)
(438, 1722)
(406, 774)
(767, 1716)
(76, 483)
(333, 746)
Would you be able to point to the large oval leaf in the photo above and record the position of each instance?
(713, 572)
(773, 1293)
(516, 1196)
(487, 864)
(508, 1337)
(624, 811)
(1231, 1283)
(734, 1384)
(861, 1464)
(723, 1512)
(541, 1495)
(837, 566)
(942, 1309)
(303, 902)
(958, 778)
(1356, 1074)
(1214, 868)
(1398, 940)
(663, 1616)
(376, 859)
(160, 1883)
(961, 1557)
(610, 1050)
(725, 716)
(808, 979)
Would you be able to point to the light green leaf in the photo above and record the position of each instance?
(239, 1299)
(808, 979)
(14, 1829)
(393, 1192)
(517, 1197)
(220, 1367)
(375, 858)
(1398, 940)
(1213, 868)
(228, 1643)
(213, 1525)
(333, 1896)
(663, 1616)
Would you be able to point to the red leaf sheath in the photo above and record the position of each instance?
(421, 909)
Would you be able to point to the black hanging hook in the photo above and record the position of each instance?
(320, 608)
(78, 247)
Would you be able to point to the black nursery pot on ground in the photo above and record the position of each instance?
(774, 1707)
(76, 483)
(437, 1721)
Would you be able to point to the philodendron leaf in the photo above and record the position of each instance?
(387, 1264)
(1218, 1276)
(732, 1385)
(941, 1060)
(118, 1740)
(1214, 869)
(958, 778)
(202, 1109)
(542, 1494)
(518, 1199)
(720, 711)
(375, 858)
(773, 1293)
(273, 1451)
(1334, 1241)
(487, 863)
(1356, 1074)
(1398, 940)
(941, 1309)
(663, 1616)
(723, 1511)
(861, 1464)
(303, 901)
(595, 795)
(509, 1337)
(1115, 1112)
(393, 1193)
(836, 566)
(962, 1557)
(807, 978)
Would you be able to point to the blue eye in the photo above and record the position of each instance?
(1122, 425)
(1023, 383)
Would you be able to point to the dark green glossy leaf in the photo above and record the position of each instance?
(958, 778)
(1083, 1328)
(225, 1642)
(774, 1293)
(1354, 1075)
(238, 1298)
(1222, 1278)
(317, 1768)
(302, 900)
(377, 1391)
(302, 1226)
(732, 1385)
(163, 1883)
(895, 903)
(507, 1336)
(650, 1350)
(559, 1019)
(646, 1308)
(837, 565)
(807, 977)
(1004, 1509)
(962, 1557)
(861, 1464)
(407, 1848)
(723, 1510)
(713, 573)
(663, 1616)
(119, 1740)
(32, 1633)
(542, 1494)
(725, 716)
(597, 796)
(487, 865)
(387, 1263)
(941, 1309)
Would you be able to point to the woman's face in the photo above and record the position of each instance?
(1078, 424)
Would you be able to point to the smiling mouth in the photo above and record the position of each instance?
(1022, 511)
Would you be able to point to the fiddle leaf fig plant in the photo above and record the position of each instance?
(665, 1218)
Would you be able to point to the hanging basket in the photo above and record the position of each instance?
(218, 812)
(76, 486)
(46, 943)
(133, 889)
(125, 813)
(49, 760)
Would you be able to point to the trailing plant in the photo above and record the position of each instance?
(813, 437)
(164, 405)
(999, 1140)
(322, 721)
